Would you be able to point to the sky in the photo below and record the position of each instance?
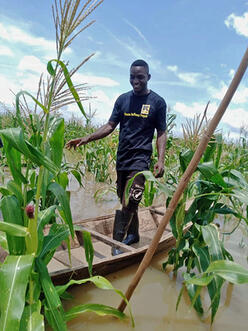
(193, 48)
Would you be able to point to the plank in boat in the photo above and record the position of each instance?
(62, 269)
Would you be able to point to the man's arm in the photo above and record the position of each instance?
(100, 133)
(160, 144)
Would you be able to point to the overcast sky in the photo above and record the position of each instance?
(193, 48)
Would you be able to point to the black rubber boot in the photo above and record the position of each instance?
(121, 224)
(133, 231)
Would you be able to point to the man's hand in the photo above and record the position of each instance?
(100, 133)
(76, 143)
(158, 169)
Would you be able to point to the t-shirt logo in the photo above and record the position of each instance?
(145, 109)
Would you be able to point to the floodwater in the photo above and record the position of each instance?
(154, 300)
(83, 203)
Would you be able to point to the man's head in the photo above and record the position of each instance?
(139, 76)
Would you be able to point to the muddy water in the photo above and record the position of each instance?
(154, 300)
(83, 203)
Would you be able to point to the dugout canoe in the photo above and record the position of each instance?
(62, 269)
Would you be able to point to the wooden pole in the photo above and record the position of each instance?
(186, 177)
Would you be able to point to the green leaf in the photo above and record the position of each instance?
(149, 193)
(179, 218)
(202, 255)
(14, 229)
(201, 280)
(230, 271)
(61, 195)
(185, 158)
(37, 157)
(3, 241)
(218, 180)
(32, 179)
(99, 282)
(214, 277)
(68, 81)
(89, 250)
(53, 303)
(14, 276)
(223, 209)
(77, 175)
(214, 290)
(211, 238)
(47, 178)
(66, 296)
(32, 319)
(13, 187)
(15, 138)
(219, 140)
(12, 213)
(49, 256)
(99, 309)
(209, 152)
(62, 179)
(14, 162)
(4, 191)
(207, 169)
(44, 218)
(56, 134)
(194, 295)
(57, 233)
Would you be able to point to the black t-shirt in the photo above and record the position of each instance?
(138, 116)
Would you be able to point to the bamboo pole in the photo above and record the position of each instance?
(186, 177)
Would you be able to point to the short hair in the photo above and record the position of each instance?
(140, 63)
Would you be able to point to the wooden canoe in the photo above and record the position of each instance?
(62, 269)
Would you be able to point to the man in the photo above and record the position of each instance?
(139, 113)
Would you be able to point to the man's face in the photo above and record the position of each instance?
(138, 79)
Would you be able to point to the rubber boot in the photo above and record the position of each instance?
(121, 224)
(133, 231)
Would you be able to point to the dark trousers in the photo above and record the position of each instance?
(135, 192)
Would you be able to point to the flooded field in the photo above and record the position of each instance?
(154, 301)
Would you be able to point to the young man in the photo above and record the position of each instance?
(139, 113)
